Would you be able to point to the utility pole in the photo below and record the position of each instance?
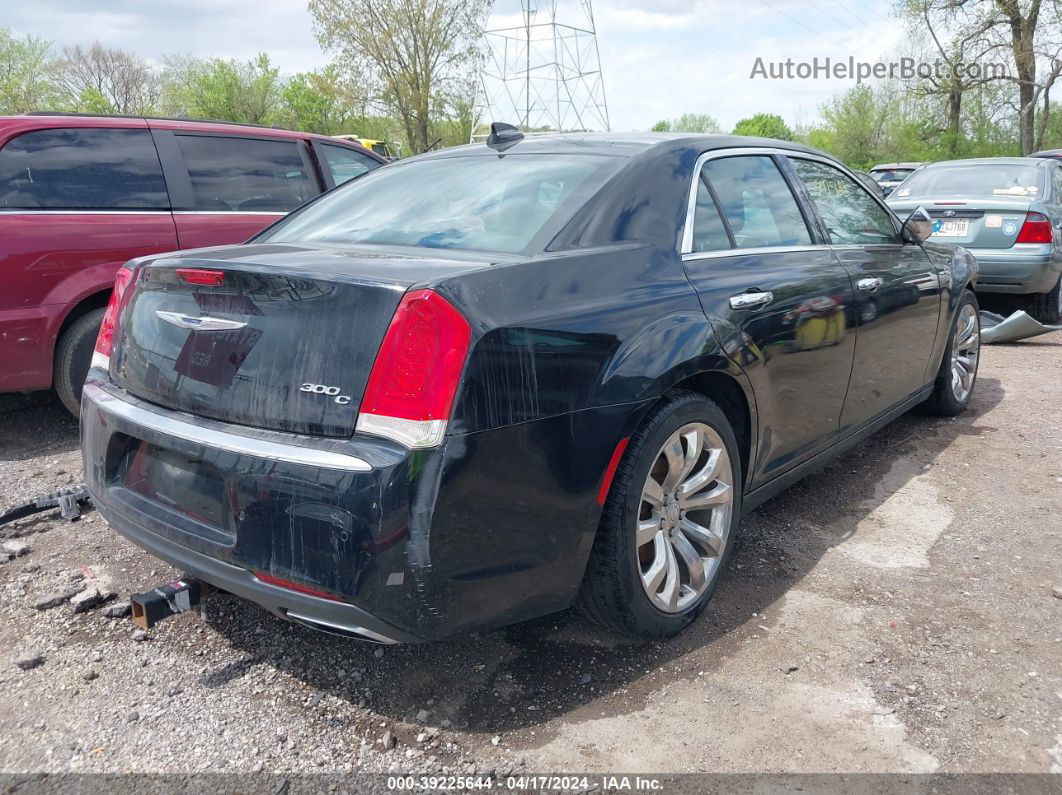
(544, 73)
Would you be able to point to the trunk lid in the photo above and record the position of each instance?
(973, 222)
(284, 340)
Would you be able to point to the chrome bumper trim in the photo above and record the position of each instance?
(230, 442)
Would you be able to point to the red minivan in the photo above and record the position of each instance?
(80, 195)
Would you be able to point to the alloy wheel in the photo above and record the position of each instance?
(684, 517)
(965, 351)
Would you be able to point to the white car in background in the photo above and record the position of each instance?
(890, 175)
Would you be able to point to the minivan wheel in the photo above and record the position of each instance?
(73, 355)
(957, 376)
(668, 523)
(1047, 307)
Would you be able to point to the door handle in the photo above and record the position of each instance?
(870, 285)
(750, 300)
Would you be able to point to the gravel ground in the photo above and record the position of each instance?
(898, 612)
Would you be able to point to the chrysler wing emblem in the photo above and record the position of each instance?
(198, 323)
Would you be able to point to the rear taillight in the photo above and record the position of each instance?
(414, 380)
(101, 356)
(1036, 229)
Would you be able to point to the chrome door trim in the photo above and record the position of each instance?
(751, 300)
(741, 252)
(82, 211)
(232, 212)
(222, 440)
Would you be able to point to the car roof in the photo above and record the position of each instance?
(894, 166)
(989, 161)
(52, 119)
(617, 144)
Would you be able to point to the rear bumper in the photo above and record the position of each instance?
(489, 529)
(1023, 268)
(318, 613)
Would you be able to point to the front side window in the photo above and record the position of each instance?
(245, 174)
(758, 205)
(851, 215)
(477, 203)
(345, 164)
(96, 169)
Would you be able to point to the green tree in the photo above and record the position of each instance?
(695, 123)
(764, 125)
(661, 126)
(100, 79)
(225, 90)
(410, 52)
(27, 74)
(855, 122)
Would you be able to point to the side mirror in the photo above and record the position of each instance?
(918, 227)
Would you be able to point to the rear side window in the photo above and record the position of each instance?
(245, 174)
(709, 233)
(757, 202)
(851, 215)
(345, 164)
(79, 169)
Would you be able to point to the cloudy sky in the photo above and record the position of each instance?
(660, 57)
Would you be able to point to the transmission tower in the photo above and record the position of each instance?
(540, 71)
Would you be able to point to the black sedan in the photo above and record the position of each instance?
(484, 384)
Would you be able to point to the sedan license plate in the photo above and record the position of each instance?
(951, 228)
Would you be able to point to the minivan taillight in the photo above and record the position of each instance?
(1036, 229)
(101, 356)
(414, 380)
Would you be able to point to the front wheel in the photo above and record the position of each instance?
(668, 524)
(957, 376)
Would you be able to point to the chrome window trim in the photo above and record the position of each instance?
(686, 246)
(694, 256)
(222, 440)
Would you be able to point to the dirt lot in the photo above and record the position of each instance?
(898, 612)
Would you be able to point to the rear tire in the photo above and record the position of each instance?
(685, 522)
(73, 355)
(1047, 307)
(957, 377)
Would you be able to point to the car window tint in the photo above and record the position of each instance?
(757, 202)
(99, 169)
(478, 203)
(850, 213)
(709, 233)
(245, 174)
(1057, 179)
(347, 163)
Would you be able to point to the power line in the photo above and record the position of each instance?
(792, 19)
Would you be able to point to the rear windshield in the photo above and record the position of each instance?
(477, 203)
(980, 179)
